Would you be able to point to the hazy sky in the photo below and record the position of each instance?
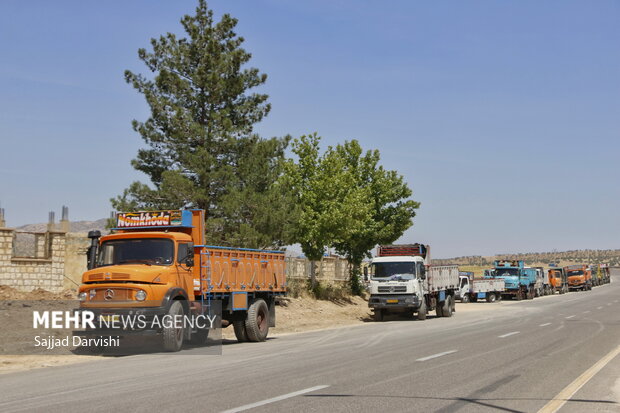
(504, 117)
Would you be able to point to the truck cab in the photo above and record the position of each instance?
(140, 268)
(465, 278)
(579, 277)
(520, 282)
(395, 282)
(558, 280)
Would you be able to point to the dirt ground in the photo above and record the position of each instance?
(9, 293)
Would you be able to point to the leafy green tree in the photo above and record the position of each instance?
(347, 201)
(386, 198)
(329, 204)
(199, 134)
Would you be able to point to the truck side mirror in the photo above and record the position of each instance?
(189, 260)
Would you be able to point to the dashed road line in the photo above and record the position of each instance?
(546, 324)
(598, 308)
(274, 399)
(586, 312)
(433, 356)
(509, 334)
(570, 316)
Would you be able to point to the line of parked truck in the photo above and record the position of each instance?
(155, 265)
(402, 280)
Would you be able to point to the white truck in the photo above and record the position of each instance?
(403, 281)
(472, 289)
(540, 288)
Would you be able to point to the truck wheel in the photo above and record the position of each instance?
(439, 309)
(490, 298)
(172, 338)
(239, 327)
(422, 310)
(465, 298)
(498, 296)
(474, 298)
(257, 323)
(447, 307)
(377, 315)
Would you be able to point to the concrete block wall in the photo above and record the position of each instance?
(45, 270)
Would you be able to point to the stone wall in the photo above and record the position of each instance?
(330, 269)
(75, 261)
(43, 270)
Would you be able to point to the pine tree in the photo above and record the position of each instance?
(199, 135)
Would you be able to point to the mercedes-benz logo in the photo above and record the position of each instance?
(109, 294)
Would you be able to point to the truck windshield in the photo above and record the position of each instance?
(394, 270)
(577, 272)
(149, 251)
(503, 272)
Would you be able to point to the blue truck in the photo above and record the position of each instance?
(519, 281)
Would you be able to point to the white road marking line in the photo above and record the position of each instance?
(615, 301)
(445, 353)
(569, 391)
(598, 308)
(546, 324)
(586, 312)
(274, 399)
(608, 303)
(570, 316)
(509, 334)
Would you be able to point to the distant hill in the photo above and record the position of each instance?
(77, 226)
(611, 257)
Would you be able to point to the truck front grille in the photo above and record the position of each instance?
(392, 289)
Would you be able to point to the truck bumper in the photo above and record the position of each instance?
(114, 326)
(394, 301)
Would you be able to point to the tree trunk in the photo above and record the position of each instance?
(312, 274)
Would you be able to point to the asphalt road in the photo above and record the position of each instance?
(516, 357)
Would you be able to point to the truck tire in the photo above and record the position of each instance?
(531, 293)
(377, 314)
(447, 307)
(474, 298)
(172, 338)
(498, 296)
(465, 298)
(422, 311)
(490, 297)
(439, 309)
(257, 323)
(239, 327)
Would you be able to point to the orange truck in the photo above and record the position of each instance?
(558, 280)
(579, 277)
(156, 264)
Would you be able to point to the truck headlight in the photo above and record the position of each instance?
(82, 296)
(141, 295)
